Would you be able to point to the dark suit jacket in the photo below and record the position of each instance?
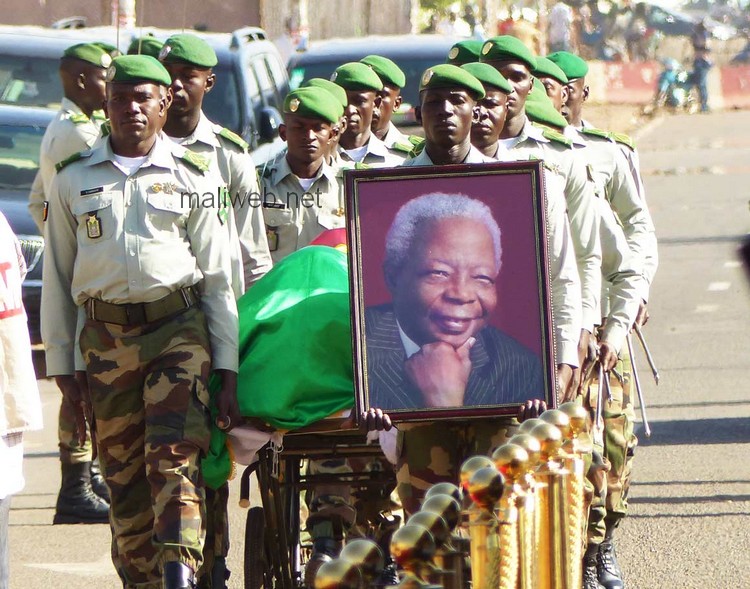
(503, 371)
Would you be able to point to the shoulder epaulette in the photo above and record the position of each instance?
(556, 137)
(361, 166)
(623, 139)
(196, 160)
(406, 148)
(98, 115)
(596, 133)
(232, 137)
(416, 140)
(79, 118)
(73, 158)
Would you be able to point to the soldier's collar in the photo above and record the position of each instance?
(204, 133)
(281, 170)
(67, 105)
(376, 147)
(162, 153)
(529, 131)
(572, 133)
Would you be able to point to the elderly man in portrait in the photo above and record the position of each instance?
(433, 345)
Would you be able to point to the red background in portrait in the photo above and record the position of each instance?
(518, 312)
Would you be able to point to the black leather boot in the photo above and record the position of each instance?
(177, 575)
(590, 574)
(324, 549)
(77, 503)
(609, 573)
(97, 481)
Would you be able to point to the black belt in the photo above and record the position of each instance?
(142, 313)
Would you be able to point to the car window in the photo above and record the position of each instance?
(19, 155)
(28, 81)
(221, 105)
(261, 72)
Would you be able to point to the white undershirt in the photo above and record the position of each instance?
(180, 140)
(128, 165)
(507, 143)
(306, 183)
(357, 154)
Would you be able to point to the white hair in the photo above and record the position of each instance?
(426, 209)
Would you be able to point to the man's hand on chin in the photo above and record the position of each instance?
(441, 372)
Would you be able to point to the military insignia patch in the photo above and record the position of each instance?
(93, 226)
(106, 60)
(427, 76)
(294, 104)
(486, 47)
(110, 75)
(453, 54)
(45, 213)
(164, 52)
(334, 75)
(272, 235)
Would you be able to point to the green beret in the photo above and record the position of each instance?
(388, 72)
(338, 92)
(450, 76)
(131, 69)
(488, 75)
(314, 103)
(465, 52)
(573, 66)
(188, 48)
(546, 68)
(145, 46)
(90, 53)
(357, 76)
(108, 47)
(508, 48)
(539, 108)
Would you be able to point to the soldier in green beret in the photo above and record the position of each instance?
(464, 52)
(340, 94)
(358, 144)
(486, 128)
(553, 80)
(565, 174)
(76, 127)
(187, 58)
(132, 248)
(390, 101)
(614, 164)
(146, 45)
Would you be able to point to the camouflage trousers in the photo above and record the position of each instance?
(149, 392)
(217, 533)
(71, 451)
(610, 480)
(433, 453)
(339, 510)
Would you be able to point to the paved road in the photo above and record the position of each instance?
(691, 499)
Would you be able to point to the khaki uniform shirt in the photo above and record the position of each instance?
(614, 182)
(564, 281)
(377, 155)
(237, 169)
(294, 216)
(650, 254)
(134, 239)
(565, 172)
(69, 132)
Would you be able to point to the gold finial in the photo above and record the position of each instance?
(337, 574)
(577, 415)
(366, 555)
(486, 487)
(446, 507)
(550, 439)
(412, 544)
(559, 419)
(470, 466)
(444, 489)
(531, 445)
(528, 425)
(433, 522)
(512, 461)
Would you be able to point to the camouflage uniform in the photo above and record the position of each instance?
(147, 380)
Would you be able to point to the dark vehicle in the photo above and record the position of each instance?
(250, 88)
(676, 23)
(21, 132)
(413, 54)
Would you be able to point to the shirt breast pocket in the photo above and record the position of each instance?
(166, 212)
(96, 218)
(278, 217)
(330, 221)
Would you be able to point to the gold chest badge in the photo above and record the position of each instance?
(93, 226)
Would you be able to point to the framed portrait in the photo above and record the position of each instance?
(450, 294)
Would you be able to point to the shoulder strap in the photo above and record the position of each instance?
(406, 148)
(78, 118)
(73, 158)
(623, 139)
(596, 133)
(195, 160)
(556, 137)
(232, 137)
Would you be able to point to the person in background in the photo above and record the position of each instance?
(20, 407)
